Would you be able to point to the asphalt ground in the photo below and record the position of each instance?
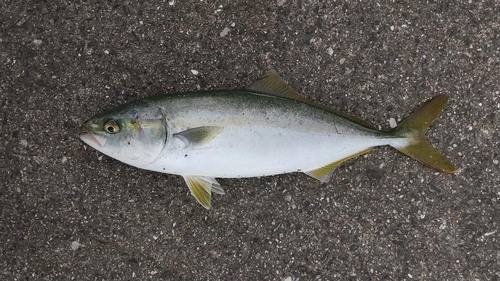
(68, 212)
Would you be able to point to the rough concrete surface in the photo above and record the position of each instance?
(68, 212)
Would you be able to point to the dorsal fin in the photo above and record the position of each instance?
(350, 117)
(272, 84)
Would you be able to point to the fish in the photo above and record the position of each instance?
(264, 129)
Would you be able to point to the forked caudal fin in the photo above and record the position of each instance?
(414, 128)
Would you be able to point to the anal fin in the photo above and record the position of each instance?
(202, 187)
(324, 173)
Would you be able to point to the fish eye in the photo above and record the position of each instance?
(111, 127)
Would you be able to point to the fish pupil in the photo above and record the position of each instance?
(111, 126)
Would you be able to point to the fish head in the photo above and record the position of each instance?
(134, 133)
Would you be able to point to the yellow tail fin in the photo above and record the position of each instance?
(414, 128)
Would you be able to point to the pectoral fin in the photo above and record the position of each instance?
(324, 173)
(201, 188)
(200, 135)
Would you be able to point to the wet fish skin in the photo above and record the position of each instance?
(266, 129)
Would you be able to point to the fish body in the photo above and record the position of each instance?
(266, 129)
(256, 135)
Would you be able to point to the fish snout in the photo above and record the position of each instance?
(86, 135)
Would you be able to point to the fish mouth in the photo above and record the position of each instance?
(91, 139)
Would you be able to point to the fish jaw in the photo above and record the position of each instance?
(94, 141)
(89, 135)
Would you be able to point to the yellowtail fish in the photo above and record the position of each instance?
(265, 129)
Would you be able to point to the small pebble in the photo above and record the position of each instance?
(21, 22)
(280, 2)
(24, 143)
(392, 123)
(75, 245)
(224, 32)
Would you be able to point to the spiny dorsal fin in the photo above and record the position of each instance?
(324, 173)
(272, 84)
(199, 135)
(201, 188)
